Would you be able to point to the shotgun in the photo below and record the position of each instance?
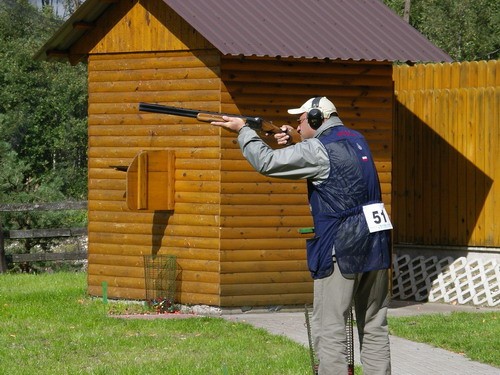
(256, 123)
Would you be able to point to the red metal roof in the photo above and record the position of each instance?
(333, 29)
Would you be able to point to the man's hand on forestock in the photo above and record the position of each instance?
(233, 124)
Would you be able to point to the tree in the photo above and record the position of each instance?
(43, 111)
(465, 29)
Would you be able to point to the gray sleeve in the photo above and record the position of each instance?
(305, 160)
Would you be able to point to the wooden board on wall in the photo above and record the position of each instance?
(151, 181)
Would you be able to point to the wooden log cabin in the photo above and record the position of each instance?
(234, 232)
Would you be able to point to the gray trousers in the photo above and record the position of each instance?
(332, 298)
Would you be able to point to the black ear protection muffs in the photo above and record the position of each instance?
(315, 115)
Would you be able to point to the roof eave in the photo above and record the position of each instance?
(57, 48)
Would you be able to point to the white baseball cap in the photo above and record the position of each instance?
(325, 105)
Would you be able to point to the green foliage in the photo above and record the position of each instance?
(465, 29)
(43, 111)
(42, 107)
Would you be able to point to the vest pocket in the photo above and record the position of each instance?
(319, 257)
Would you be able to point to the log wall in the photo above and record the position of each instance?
(118, 237)
(262, 253)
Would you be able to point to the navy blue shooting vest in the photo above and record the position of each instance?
(337, 209)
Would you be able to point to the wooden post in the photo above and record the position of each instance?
(3, 260)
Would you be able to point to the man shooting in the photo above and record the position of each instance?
(350, 253)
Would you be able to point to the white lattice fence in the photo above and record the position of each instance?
(461, 281)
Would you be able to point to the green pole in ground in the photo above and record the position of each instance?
(104, 292)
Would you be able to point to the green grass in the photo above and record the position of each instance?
(49, 326)
(476, 335)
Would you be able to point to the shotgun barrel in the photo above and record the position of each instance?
(256, 123)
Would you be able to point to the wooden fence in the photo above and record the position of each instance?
(40, 233)
(446, 176)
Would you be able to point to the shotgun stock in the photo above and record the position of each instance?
(256, 123)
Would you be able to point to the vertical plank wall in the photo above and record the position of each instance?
(446, 168)
(262, 254)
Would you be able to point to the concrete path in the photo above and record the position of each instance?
(408, 358)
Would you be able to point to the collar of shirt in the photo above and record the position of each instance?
(329, 123)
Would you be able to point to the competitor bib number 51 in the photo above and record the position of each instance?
(376, 217)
